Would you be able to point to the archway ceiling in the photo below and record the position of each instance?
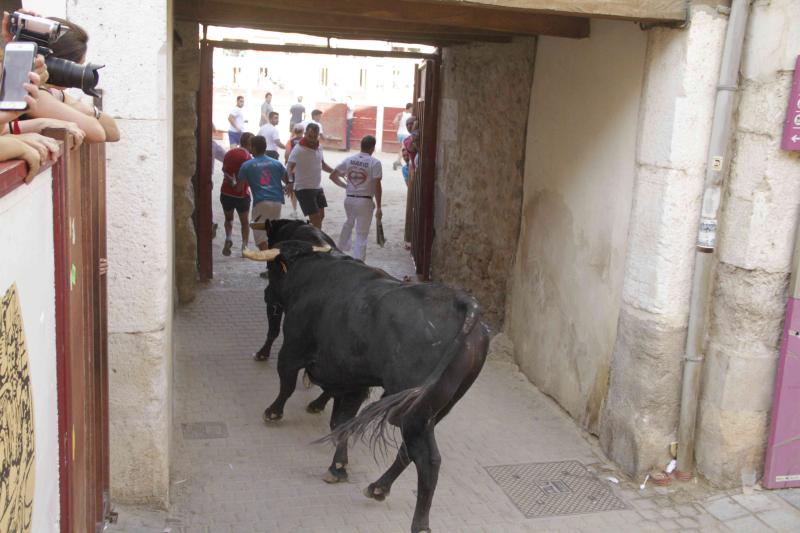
(434, 22)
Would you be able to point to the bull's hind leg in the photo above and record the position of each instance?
(345, 408)
(424, 452)
(274, 316)
(383, 486)
(288, 368)
(318, 405)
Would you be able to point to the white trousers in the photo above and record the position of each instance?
(263, 211)
(359, 214)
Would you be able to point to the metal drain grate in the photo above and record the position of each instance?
(553, 489)
(205, 430)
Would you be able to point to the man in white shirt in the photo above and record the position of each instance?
(266, 109)
(305, 175)
(316, 116)
(362, 173)
(270, 132)
(351, 113)
(236, 121)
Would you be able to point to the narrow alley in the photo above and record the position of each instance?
(233, 473)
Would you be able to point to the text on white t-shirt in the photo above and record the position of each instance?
(360, 171)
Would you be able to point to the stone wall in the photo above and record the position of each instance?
(757, 228)
(639, 419)
(479, 166)
(566, 285)
(186, 61)
(134, 41)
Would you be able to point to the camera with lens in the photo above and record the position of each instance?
(62, 72)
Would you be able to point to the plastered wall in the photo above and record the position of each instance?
(134, 41)
(566, 284)
(479, 167)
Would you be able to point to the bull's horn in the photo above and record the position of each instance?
(262, 255)
(323, 249)
(258, 225)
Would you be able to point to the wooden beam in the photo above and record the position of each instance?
(639, 10)
(234, 15)
(307, 49)
(424, 17)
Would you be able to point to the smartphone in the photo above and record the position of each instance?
(17, 62)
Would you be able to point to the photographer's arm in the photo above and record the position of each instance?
(49, 107)
(108, 123)
(36, 125)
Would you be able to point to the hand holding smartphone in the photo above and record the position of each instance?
(17, 63)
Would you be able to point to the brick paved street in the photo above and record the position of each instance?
(256, 478)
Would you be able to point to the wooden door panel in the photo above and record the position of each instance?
(79, 239)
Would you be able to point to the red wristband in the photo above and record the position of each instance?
(15, 127)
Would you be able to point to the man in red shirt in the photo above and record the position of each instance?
(234, 195)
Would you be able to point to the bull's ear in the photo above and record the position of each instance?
(262, 255)
(268, 227)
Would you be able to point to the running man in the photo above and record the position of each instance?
(234, 195)
(236, 122)
(266, 177)
(305, 175)
(362, 173)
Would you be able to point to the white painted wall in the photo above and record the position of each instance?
(579, 171)
(26, 238)
(134, 41)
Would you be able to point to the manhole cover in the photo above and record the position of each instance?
(552, 489)
(205, 430)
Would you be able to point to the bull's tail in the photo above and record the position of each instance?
(371, 423)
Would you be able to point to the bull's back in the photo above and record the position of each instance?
(372, 329)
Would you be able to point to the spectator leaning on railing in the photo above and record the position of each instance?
(55, 105)
(23, 147)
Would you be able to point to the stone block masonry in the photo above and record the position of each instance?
(186, 60)
(640, 415)
(757, 228)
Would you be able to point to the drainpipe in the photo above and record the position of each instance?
(716, 165)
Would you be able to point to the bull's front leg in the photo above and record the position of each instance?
(288, 368)
(274, 316)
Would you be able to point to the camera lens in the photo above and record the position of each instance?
(65, 73)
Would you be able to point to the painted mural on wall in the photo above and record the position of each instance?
(16, 420)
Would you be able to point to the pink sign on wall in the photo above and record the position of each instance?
(782, 465)
(791, 128)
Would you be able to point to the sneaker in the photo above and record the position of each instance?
(226, 250)
(244, 247)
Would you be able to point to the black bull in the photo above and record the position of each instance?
(351, 327)
(279, 231)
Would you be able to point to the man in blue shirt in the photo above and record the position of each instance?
(266, 177)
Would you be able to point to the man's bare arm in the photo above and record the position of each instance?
(336, 177)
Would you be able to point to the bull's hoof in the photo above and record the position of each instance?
(261, 355)
(271, 416)
(375, 492)
(335, 476)
(315, 407)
